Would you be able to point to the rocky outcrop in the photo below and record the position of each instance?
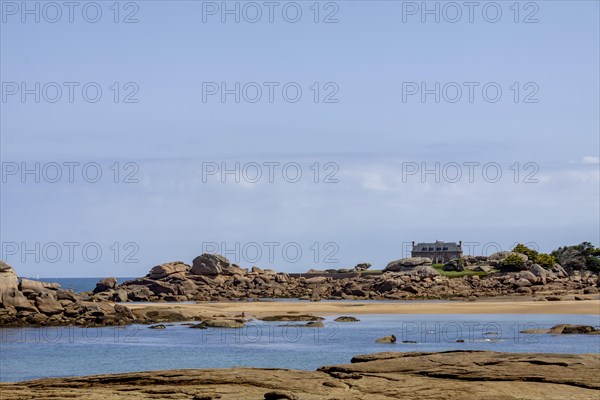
(449, 375)
(209, 264)
(35, 303)
(37, 286)
(164, 270)
(105, 284)
(14, 299)
(38, 303)
(214, 278)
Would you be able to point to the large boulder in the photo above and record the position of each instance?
(387, 339)
(424, 271)
(529, 276)
(49, 306)
(539, 273)
(17, 300)
(67, 295)
(209, 264)
(387, 285)
(37, 286)
(151, 287)
(559, 271)
(137, 292)
(362, 267)
(481, 268)
(406, 263)
(120, 295)
(124, 312)
(164, 270)
(571, 258)
(522, 282)
(457, 265)
(162, 287)
(233, 269)
(317, 280)
(106, 284)
(500, 255)
(8, 278)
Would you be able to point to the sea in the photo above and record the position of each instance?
(31, 353)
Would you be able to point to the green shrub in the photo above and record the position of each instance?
(545, 260)
(530, 253)
(513, 261)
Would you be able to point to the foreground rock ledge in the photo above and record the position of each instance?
(445, 375)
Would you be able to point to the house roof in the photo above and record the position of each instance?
(437, 246)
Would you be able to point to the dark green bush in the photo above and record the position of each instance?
(513, 261)
(581, 256)
(545, 260)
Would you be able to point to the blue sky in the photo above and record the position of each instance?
(370, 136)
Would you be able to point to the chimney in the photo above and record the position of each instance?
(460, 244)
(413, 244)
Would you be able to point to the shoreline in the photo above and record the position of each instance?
(159, 312)
(263, 308)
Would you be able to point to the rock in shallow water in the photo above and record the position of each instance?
(224, 323)
(346, 319)
(387, 339)
(299, 317)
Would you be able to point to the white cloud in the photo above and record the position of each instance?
(590, 160)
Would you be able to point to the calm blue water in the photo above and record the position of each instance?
(78, 284)
(29, 353)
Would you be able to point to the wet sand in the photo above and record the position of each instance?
(262, 308)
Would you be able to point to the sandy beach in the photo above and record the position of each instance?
(262, 308)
